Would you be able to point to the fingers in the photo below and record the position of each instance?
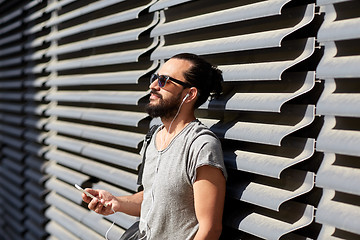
(98, 206)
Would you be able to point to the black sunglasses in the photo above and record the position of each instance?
(162, 79)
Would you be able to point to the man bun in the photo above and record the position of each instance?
(204, 76)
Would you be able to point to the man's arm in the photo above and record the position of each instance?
(209, 195)
(130, 205)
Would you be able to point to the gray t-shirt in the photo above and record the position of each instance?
(167, 210)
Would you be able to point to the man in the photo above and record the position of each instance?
(184, 174)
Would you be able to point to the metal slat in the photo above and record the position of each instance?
(333, 30)
(271, 194)
(252, 41)
(242, 13)
(102, 153)
(98, 23)
(66, 143)
(265, 70)
(58, 232)
(66, 174)
(35, 189)
(334, 175)
(66, 159)
(13, 131)
(115, 38)
(324, 2)
(112, 97)
(118, 137)
(74, 210)
(10, 16)
(100, 225)
(330, 232)
(338, 212)
(10, 27)
(64, 189)
(10, 50)
(332, 66)
(11, 38)
(57, 5)
(340, 141)
(72, 225)
(11, 61)
(273, 161)
(268, 224)
(332, 103)
(15, 96)
(98, 115)
(10, 118)
(166, 3)
(267, 133)
(261, 97)
(15, 84)
(128, 77)
(35, 202)
(35, 176)
(36, 230)
(82, 11)
(100, 60)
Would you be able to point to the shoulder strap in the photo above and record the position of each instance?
(147, 140)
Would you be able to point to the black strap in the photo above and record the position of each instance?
(147, 140)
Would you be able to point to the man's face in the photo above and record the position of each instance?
(165, 101)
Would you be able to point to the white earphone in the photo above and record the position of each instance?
(186, 96)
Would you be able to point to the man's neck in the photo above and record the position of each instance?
(178, 124)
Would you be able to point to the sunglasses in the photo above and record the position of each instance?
(162, 80)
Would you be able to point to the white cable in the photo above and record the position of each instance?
(106, 234)
(168, 133)
(163, 141)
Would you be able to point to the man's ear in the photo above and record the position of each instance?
(192, 94)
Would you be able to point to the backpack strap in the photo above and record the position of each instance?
(147, 140)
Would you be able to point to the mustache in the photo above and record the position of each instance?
(156, 94)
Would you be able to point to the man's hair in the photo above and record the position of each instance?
(202, 75)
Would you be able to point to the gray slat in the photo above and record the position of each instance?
(98, 115)
(166, 3)
(332, 103)
(118, 137)
(336, 173)
(267, 224)
(268, 97)
(112, 97)
(267, 133)
(272, 161)
(71, 224)
(272, 193)
(252, 41)
(266, 70)
(340, 141)
(338, 212)
(242, 13)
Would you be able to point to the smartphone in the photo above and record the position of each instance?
(87, 193)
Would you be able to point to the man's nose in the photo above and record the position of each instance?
(154, 85)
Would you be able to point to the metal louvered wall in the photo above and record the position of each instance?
(74, 82)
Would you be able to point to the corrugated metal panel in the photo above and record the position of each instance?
(73, 85)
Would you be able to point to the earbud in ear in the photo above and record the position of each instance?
(186, 96)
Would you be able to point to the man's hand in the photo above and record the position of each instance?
(130, 205)
(101, 197)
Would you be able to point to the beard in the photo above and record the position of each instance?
(165, 109)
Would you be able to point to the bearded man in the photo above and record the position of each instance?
(184, 175)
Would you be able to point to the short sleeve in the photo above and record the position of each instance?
(205, 151)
